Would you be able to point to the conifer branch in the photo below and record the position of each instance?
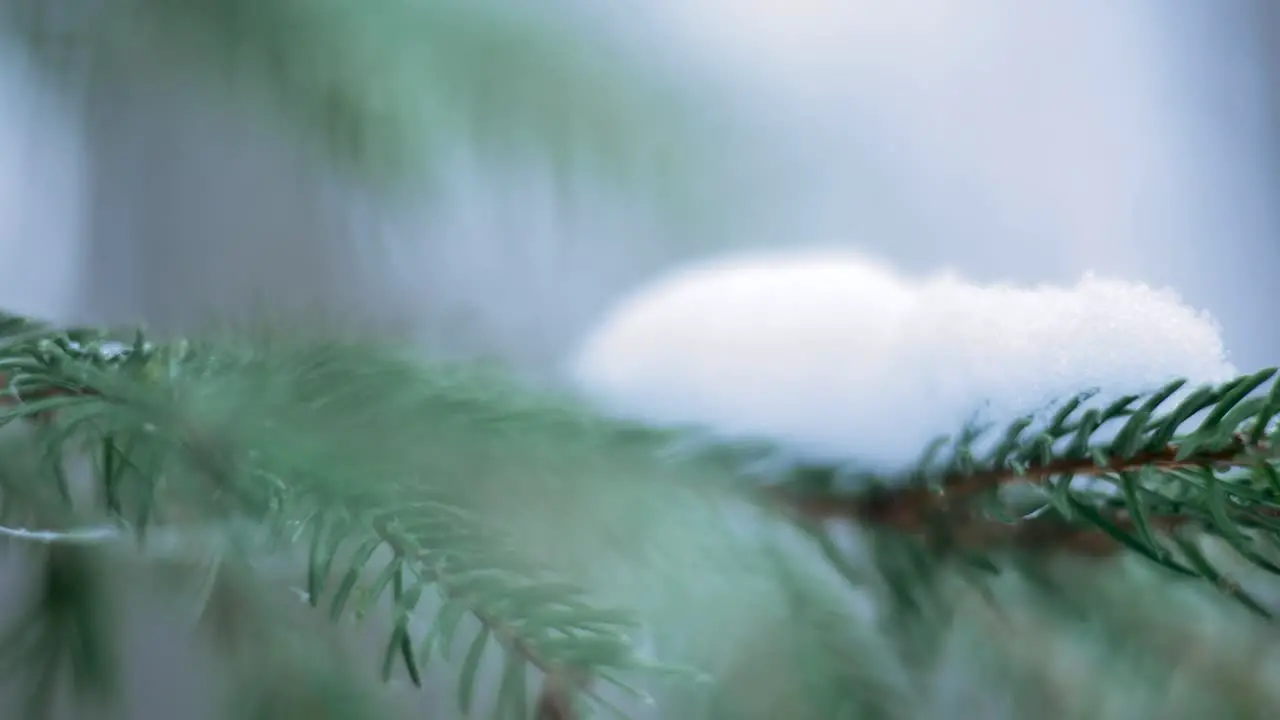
(1222, 477)
(906, 509)
(1165, 473)
(912, 510)
(555, 698)
(48, 372)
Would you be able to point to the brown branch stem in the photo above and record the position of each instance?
(906, 507)
(916, 509)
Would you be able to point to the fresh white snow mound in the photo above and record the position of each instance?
(837, 355)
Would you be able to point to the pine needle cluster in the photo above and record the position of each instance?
(526, 557)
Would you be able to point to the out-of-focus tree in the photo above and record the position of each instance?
(247, 155)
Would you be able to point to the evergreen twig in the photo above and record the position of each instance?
(1204, 465)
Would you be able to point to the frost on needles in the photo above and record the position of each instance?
(800, 487)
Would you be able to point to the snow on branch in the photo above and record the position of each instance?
(838, 356)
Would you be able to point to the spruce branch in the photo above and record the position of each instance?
(911, 510)
(1221, 476)
(198, 457)
(401, 480)
(907, 508)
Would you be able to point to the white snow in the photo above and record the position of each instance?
(837, 355)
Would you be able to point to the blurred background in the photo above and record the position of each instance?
(484, 179)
